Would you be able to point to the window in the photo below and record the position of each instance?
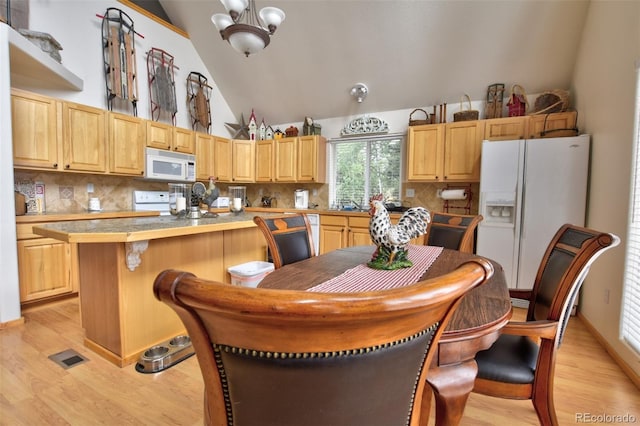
(362, 167)
(631, 300)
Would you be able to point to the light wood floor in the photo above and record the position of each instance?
(36, 391)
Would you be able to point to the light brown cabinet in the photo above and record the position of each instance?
(205, 164)
(445, 152)
(127, 135)
(167, 137)
(312, 159)
(358, 231)
(546, 122)
(222, 157)
(300, 159)
(55, 135)
(265, 158)
(333, 233)
(244, 161)
(35, 131)
(286, 160)
(507, 128)
(183, 140)
(83, 141)
(462, 150)
(45, 266)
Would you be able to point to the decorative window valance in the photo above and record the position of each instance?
(365, 125)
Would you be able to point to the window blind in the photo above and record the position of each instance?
(630, 325)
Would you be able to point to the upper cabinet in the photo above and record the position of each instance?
(286, 160)
(223, 151)
(35, 131)
(83, 130)
(57, 135)
(244, 161)
(127, 137)
(445, 152)
(462, 149)
(551, 124)
(184, 140)
(507, 128)
(265, 154)
(167, 137)
(300, 159)
(425, 152)
(312, 159)
(204, 156)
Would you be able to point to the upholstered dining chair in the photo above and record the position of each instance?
(288, 358)
(288, 237)
(520, 364)
(452, 231)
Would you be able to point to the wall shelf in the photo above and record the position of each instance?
(32, 67)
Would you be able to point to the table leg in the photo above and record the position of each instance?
(451, 386)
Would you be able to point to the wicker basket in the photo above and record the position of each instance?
(413, 122)
(466, 115)
(552, 101)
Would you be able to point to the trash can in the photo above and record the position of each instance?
(250, 274)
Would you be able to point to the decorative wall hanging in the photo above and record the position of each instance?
(365, 125)
(199, 93)
(242, 130)
(162, 86)
(310, 128)
(119, 55)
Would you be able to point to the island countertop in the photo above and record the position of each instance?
(141, 228)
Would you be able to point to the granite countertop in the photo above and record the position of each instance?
(141, 228)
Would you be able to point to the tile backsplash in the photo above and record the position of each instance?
(67, 192)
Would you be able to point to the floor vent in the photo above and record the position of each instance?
(67, 359)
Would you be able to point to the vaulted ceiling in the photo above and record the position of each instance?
(409, 53)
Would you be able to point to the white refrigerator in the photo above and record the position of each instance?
(528, 189)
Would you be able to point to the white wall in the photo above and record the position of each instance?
(605, 84)
(76, 27)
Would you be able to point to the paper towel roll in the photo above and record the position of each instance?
(453, 194)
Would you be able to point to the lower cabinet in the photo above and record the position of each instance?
(45, 268)
(349, 230)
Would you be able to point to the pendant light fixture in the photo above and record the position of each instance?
(243, 29)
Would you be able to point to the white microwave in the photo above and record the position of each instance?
(169, 165)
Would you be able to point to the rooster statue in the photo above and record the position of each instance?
(392, 240)
(211, 194)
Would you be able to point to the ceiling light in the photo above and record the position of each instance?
(243, 29)
(359, 91)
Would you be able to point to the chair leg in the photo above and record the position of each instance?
(545, 409)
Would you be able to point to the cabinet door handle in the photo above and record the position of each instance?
(55, 165)
(67, 166)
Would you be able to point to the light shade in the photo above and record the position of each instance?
(247, 39)
(272, 17)
(243, 29)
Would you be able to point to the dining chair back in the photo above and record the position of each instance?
(289, 358)
(516, 366)
(288, 236)
(452, 231)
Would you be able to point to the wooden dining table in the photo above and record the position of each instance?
(474, 326)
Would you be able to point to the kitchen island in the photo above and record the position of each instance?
(119, 259)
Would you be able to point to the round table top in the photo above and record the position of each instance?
(486, 306)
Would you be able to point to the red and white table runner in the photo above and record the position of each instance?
(363, 278)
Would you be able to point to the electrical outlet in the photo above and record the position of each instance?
(410, 193)
(315, 192)
(89, 187)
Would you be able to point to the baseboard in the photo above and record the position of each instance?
(635, 378)
(12, 323)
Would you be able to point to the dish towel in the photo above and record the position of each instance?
(363, 278)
